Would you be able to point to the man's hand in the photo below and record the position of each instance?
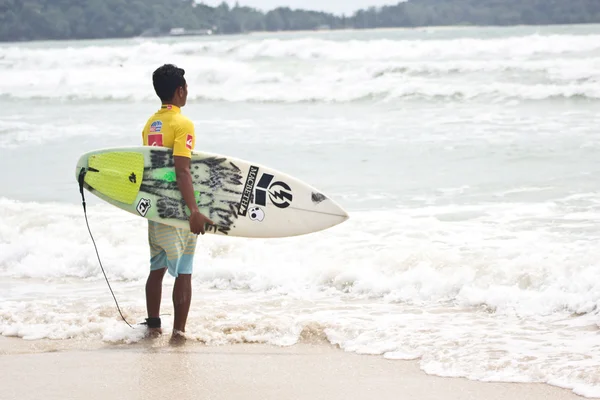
(198, 222)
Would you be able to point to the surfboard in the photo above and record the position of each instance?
(242, 198)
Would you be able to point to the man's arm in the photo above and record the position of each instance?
(184, 182)
(198, 221)
(182, 154)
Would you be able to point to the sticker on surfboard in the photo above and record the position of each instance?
(143, 207)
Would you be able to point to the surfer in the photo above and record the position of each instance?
(172, 249)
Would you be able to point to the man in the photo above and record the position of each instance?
(172, 248)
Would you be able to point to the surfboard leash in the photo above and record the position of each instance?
(81, 178)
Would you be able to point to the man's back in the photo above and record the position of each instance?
(169, 128)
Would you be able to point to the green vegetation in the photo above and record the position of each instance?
(76, 19)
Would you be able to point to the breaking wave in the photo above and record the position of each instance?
(532, 67)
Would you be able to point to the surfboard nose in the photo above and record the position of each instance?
(327, 205)
(308, 212)
(324, 213)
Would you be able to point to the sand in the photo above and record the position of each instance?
(155, 369)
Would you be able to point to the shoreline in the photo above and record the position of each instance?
(93, 369)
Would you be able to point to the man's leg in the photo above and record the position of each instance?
(182, 290)
(182, 298)
(154, 295)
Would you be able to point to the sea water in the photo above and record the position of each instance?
(466, 157)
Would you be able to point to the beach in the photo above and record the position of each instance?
(466, 158)
(194, 371)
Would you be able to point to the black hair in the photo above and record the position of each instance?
(166, 80)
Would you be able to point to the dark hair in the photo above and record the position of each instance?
(166, 80)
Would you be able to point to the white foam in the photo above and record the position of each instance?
(470, 254)
(490, 297)
(534, 67)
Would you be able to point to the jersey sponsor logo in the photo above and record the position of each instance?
(156, 126)
(155, 140)
(189, 141)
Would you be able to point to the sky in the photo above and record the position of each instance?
(334, 6)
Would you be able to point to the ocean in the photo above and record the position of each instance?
(466, 157)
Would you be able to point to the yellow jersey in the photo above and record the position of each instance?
(169, 128)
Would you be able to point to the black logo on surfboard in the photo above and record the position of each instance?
(248, 188)
(279, 192)
(143, 207)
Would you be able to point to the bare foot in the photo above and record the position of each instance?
(177, 338)
(153, 333)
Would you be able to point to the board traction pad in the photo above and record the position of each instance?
(117, 175)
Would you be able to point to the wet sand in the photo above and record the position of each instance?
(156, 369)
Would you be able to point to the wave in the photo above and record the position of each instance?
(505, 267)
(254, 48)
(532, 67)
(386, 49)
(292, 94)
(513, 284)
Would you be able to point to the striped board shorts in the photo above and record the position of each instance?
(171, 248)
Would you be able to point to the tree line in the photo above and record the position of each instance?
(92, 19)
